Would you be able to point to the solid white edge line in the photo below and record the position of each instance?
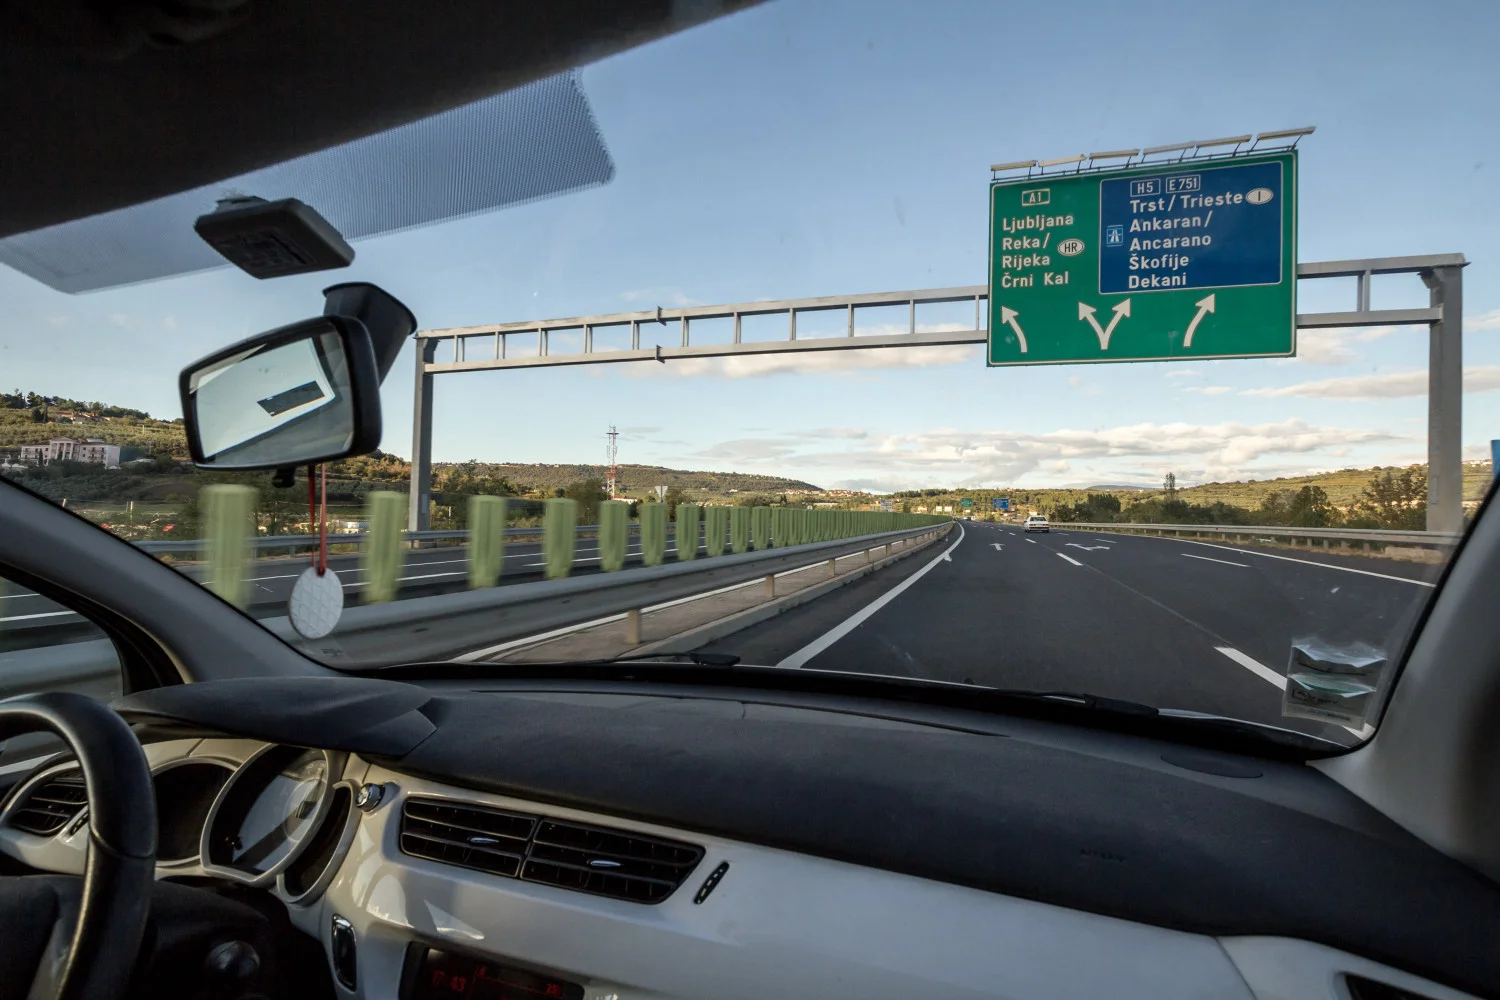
(1225, 562)
(1305, 562)
(532, 640)
(1253, 665)
(40, 614)
(1070, 559)
(833, 635)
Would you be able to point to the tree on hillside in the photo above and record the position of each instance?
(1396, 500)
(1308, 507)
(589, 493)
(1169, 485)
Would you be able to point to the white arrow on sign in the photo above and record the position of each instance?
(1205, 305)
(1008, 318)
(1086, 311)
(1089, 548)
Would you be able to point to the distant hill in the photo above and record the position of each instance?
(1342, 487)
(638, 480)
(136, 436)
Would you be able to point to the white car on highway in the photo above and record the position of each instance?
(1037, 522)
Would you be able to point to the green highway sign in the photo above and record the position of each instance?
(966, 502)
(1166, 262)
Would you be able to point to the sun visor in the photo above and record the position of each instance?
(534, 142)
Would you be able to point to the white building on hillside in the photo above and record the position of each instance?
(61, 449)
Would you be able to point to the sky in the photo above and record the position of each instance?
(827, 147)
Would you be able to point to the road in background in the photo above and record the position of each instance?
(425, 572)
(1172, 623)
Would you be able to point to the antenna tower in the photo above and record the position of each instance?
(612, 471)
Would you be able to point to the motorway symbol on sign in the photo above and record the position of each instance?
(1192, 261)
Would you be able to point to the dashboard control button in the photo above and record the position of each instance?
(369, 797)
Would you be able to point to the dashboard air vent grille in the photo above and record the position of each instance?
(47, 808)
(488, 840)
(570, 855)
(608, 862)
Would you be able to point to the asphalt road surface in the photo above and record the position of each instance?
(1174, 624)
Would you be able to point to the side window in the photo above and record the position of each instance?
(45, 646)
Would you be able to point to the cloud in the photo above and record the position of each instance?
(1184, 373)
(1484, 321)
(999, 457)
(640, 431)
(829, 362)
(1324, 347)
(1395, 385)
(1208, 390)
(659, 297)
(55, 320)
(1083, 385)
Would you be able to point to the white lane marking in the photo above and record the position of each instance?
(1265, 673)
(1257, 668)
(1031, 541)
(1088, 548)
(1070, 559)
(41, 614)
(998, 547)
(1305, 562)
(1311, 562)
(1222, 562)
(833, 635)
(1112, 541)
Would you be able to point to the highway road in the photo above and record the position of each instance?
(1174, 624)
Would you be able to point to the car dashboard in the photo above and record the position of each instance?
(471, 865)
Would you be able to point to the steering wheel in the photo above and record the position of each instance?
(75, 944)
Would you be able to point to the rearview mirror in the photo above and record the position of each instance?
(305, 393)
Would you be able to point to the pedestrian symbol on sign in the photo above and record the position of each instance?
(1114, 236)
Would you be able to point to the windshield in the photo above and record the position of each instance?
(968, 343)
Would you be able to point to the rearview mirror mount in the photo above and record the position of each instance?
(298, 395)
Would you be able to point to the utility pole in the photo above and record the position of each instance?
(612, 471)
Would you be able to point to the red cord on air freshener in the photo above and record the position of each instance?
(318, 513)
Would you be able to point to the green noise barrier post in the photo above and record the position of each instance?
(486, 541)
(228, 526)
(614, 534)
(687, 531)
(739, 529)
(559, 533)
(653, 533)
(383, 555)
(715, 529)
(760, 527)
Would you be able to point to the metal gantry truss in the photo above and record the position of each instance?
(531, 344)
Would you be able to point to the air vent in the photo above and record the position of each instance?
(585, 858)
(47, 807)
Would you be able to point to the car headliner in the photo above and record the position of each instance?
(113, 102)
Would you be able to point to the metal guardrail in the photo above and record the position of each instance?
(446, 625)
(270, 543)
(1421, 539)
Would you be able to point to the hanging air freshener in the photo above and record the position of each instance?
(317, 597)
